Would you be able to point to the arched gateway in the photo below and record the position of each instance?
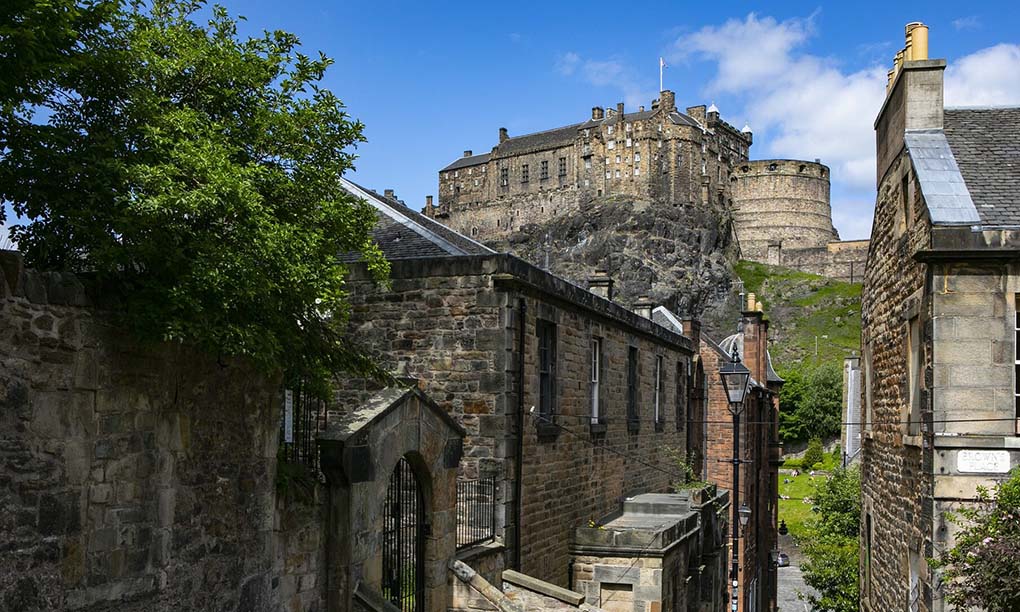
(403, 546)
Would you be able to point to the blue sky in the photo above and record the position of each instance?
(432, 79)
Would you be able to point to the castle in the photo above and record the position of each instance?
(780, 208)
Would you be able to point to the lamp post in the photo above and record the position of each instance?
(735, 377)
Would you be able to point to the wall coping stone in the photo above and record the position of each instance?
(542, 587)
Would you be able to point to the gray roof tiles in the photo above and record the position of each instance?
(945, 192)
(403, 233)
(464, 162)
(986, 145)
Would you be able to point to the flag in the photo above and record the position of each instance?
(662, 63)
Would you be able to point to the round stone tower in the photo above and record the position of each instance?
(781, 204)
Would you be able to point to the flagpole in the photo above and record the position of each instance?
(660, 74)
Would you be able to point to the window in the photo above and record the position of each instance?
(1016, 366)
(626, 127)
(611, 144)
(914, 374)
(914, 594)
(609, 174)
(587, 163)
(596, 375)
(637, 171)
(867, 387)
(546, 332)
(617, 173)
(629, 142)
(456, 173)
(658, 390)
(587, 132)
(905, 202)
(504, 176)
(681, 395)
(637, 157)
(543, 172)
(679, 159)
(618, 159)
(524, 173)
(474, 231)
(704, 168)
(632, 391)
(609, 130)
(563, 166)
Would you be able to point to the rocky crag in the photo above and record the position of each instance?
(679, 255)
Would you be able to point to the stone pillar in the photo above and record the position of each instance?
(644, 306)
(601, 284)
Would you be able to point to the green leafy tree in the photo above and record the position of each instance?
(197, 175)
(982, 569)
(811, 403)
(832, 550)
(814, 453)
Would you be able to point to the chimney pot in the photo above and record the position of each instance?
(503, 136)
(601, 284)
(467, 153)
(597, 113)
(388, 193)
(643, 307)
(641, 108)
(428, 201)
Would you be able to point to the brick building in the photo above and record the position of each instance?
(567, 398)
(939, 317)
(659, 153)
(760, 450)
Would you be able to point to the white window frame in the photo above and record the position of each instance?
(611, 144)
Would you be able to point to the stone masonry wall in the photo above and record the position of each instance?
(131, 477)
(896, 462)
(455, 326)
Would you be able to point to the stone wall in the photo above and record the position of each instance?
(896, 464)
(131, 477)
(845, 260)
(454, 323)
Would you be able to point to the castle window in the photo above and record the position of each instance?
(544, 170)
(658, 390)
(632, 391)
(611, 144)
(618, 159)
(524, 173)
(627, 127)
(504, 176)
(660, 144)
(587, 132)
(587, 163)
(596, 375)
(483, 169)
(679, 159)
(637, 171)
(617, 173)
(563, 166)
(704, 146)
(915, 376)
(476, 182)
(681, 394)
(474, 231)
(456, 173)
(704, 168)
(772, 167)
(629, 142)
(609, 129)
(587, 183)
(609, 174)
(637, 157)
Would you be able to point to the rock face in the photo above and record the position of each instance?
(679, 255)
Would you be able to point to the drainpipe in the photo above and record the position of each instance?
(522, 309)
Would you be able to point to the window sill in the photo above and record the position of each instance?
(547, 432)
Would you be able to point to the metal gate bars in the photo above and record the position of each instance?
(404, 540)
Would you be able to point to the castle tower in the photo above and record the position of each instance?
(781, 204)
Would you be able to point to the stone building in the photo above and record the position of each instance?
(655, 154)
(782, 217)
(939, 317)
(760, 453)
(567, 398)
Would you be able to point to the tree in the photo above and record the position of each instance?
(832, 549)
(811, 403)
(197, 176)
(982, 569)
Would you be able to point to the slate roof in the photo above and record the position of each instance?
(403, 233)
(945, 192)
(464, 162)
(374, 406)
(986, 144)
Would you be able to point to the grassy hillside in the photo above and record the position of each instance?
(807, 313)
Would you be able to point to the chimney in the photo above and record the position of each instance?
(692, 329)
(641, 108)
(467, 153)
(697, 113)
(914, 100)
(755, 331)
(503, 137)
(428, 202)
(601, 284)
(643, 307)
(667, 100)
(619, 109)
(597, 113)
(389, 194)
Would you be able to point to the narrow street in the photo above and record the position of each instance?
(791, 580)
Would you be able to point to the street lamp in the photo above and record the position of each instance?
(735, 378)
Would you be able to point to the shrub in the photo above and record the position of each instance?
(794, 464)
(814, 453)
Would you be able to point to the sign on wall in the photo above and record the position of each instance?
(288, 416)
(983, 461)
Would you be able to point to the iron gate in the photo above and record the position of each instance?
(404, 540)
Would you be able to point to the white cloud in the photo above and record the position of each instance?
(967, 23)
(806, 106)
(985, 78)
(613, 73)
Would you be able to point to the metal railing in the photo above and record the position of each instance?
(476, 511)
(302, 418)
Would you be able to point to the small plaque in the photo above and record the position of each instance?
(983, 461)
